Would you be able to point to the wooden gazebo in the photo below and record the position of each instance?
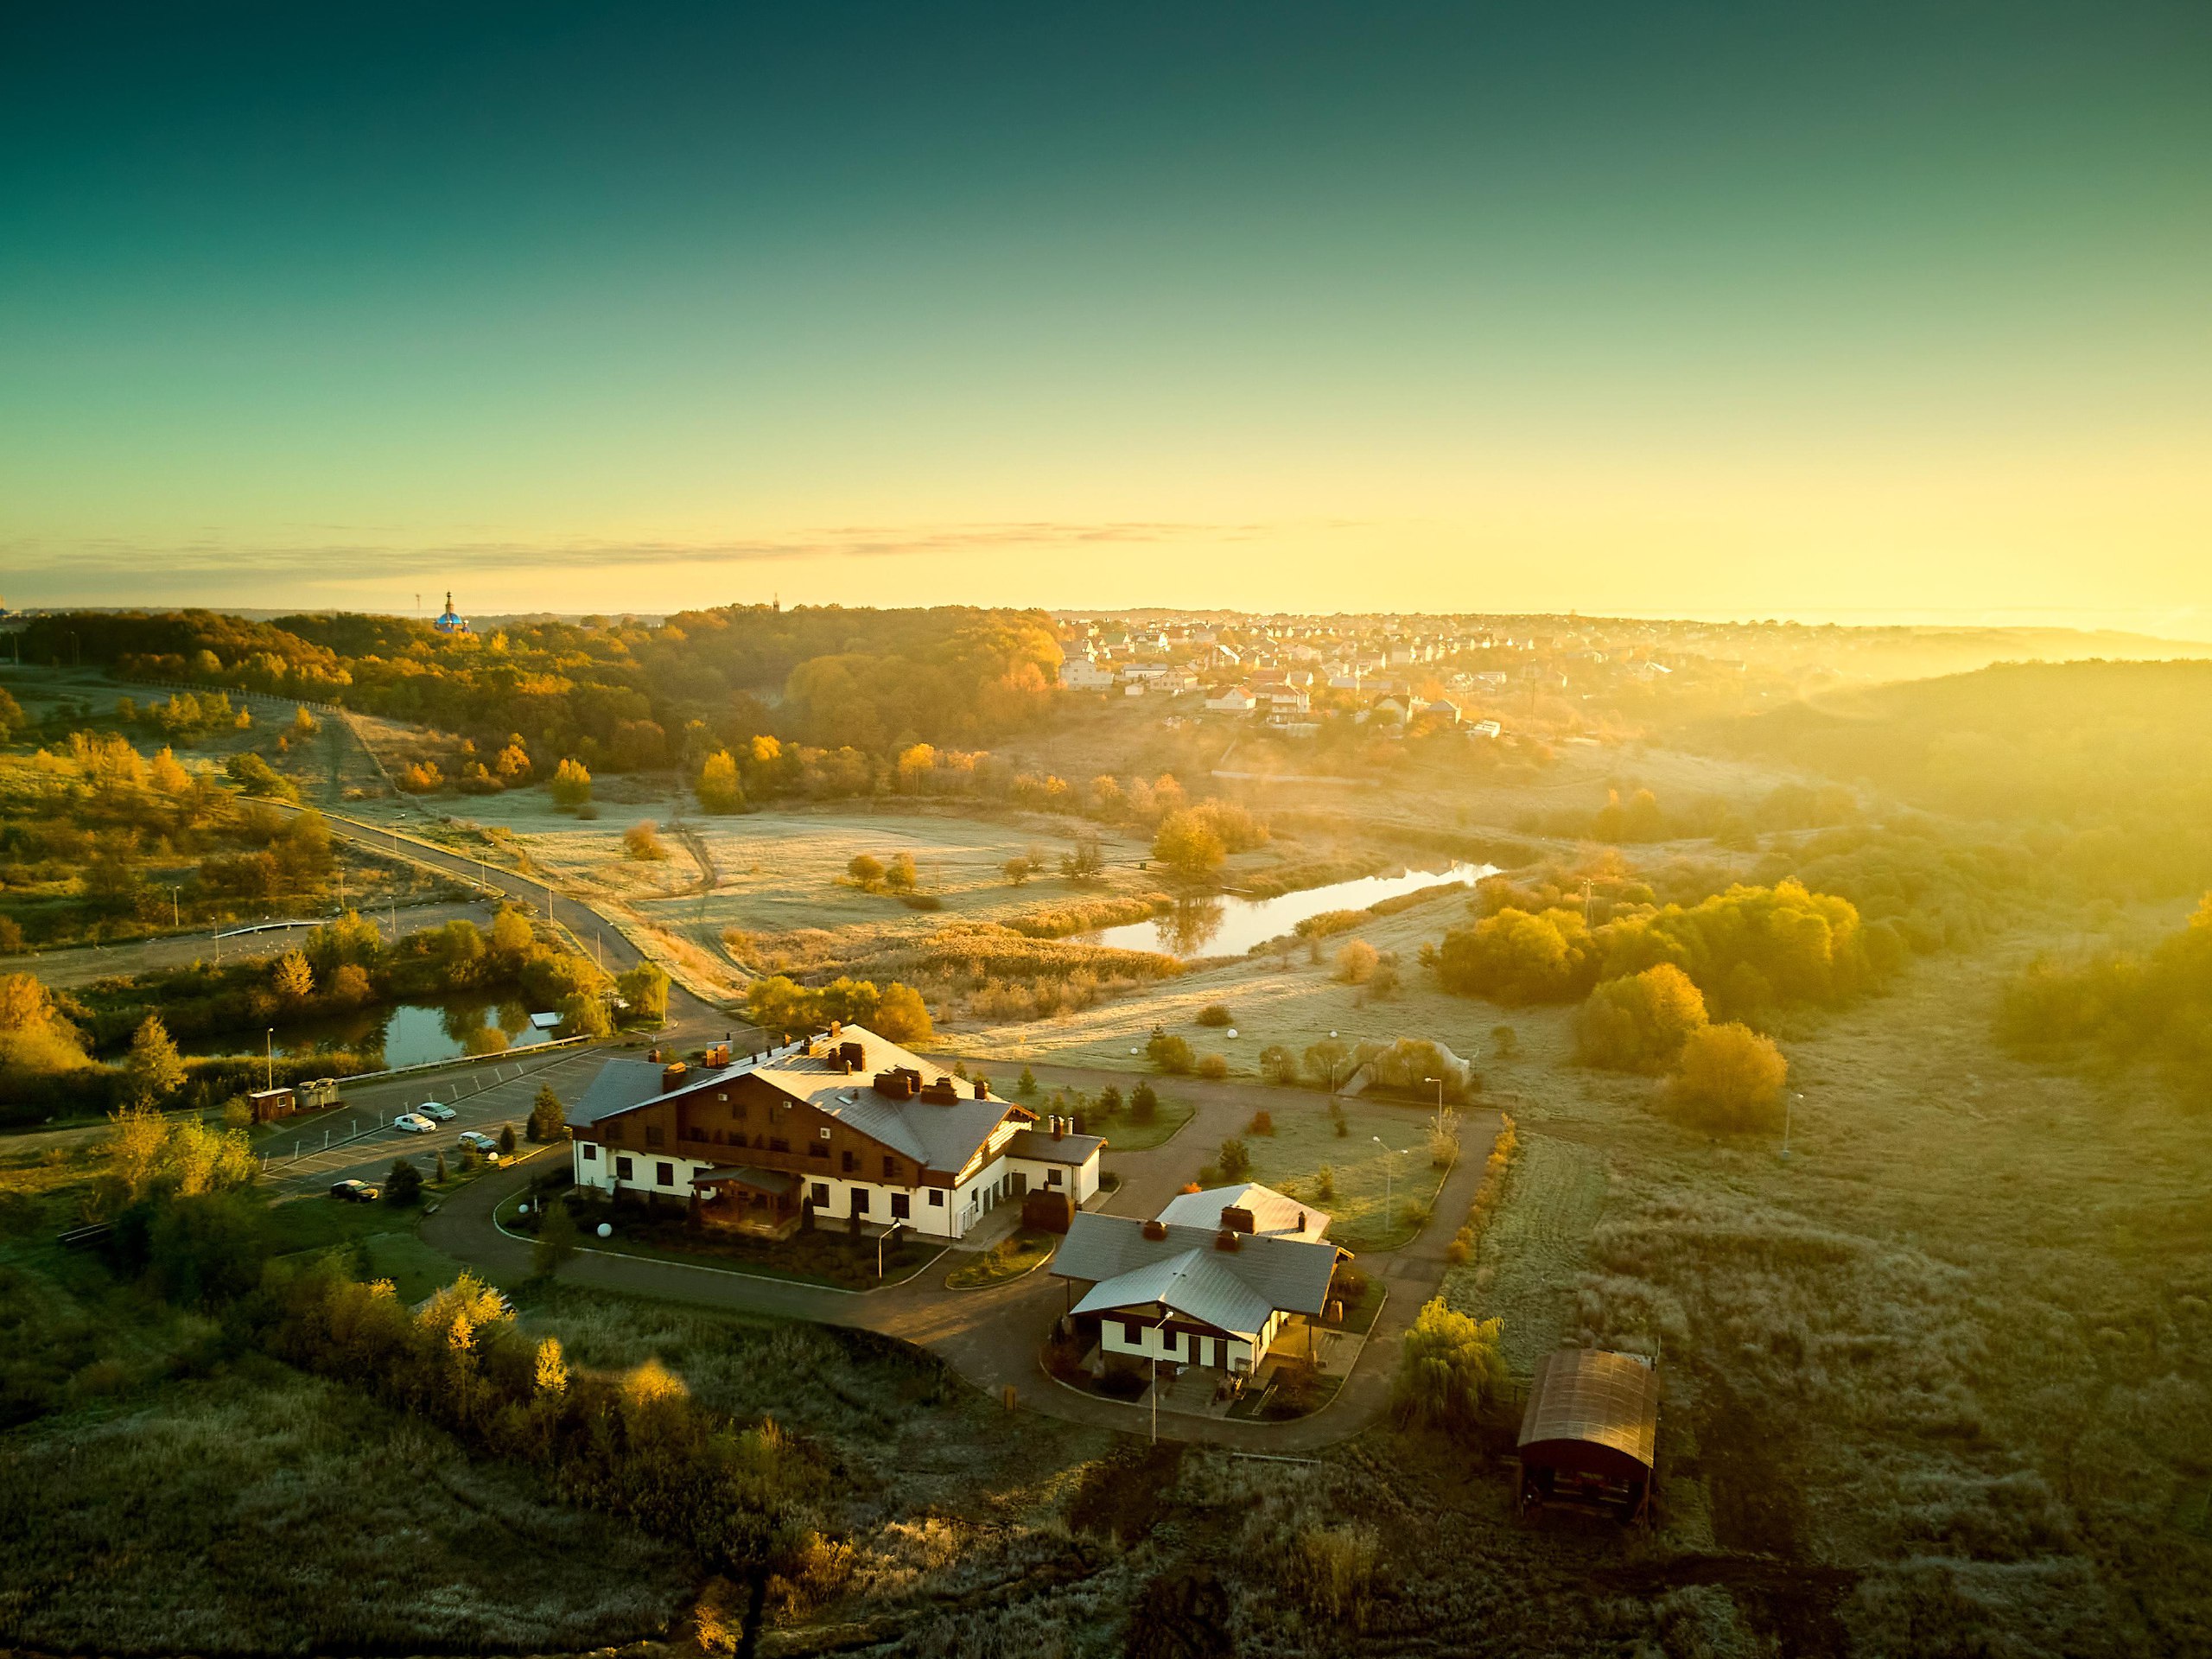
(1590, 1436)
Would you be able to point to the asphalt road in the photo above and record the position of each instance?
(690, 1018)
(82, 964)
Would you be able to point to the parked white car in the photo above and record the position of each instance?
(413, 1123)
(476, 1142)
(431, 1108)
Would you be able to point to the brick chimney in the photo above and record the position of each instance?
(672, 1075)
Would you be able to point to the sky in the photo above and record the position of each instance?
(1850, 313)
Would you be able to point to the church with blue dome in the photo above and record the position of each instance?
(449, 620)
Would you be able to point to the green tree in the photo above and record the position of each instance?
(1144, 1105)
(900, 874)
(644, 989)
(1278, 1065)
(1326, 1062)
(1025, 1085)
(864, 870)
(1514, 958)
(582, 1014)
(1170, 1054)
(155, 1068)
(556, 1243)
(1450, 1368)
(547, 1118)
(1234, 1161)
(506, 1138)
(402, 1185)
(254, 776)
(1017, 871)
(442, 1174)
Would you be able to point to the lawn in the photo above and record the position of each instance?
(1011, 1257)
(1361, 1174)
(1536, 1248)
(1124, 1134)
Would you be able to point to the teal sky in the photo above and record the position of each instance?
(1881, 310)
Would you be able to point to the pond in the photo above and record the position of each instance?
(407, 1034)
(1228, 927)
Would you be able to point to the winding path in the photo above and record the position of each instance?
(992, 1338)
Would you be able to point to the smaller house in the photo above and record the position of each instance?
(1216, 1298)
(1485, 729)
(1081, 674)
(1232, 700)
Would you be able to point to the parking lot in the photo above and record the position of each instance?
(308, 1157)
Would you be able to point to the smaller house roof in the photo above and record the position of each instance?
(1193, 1284)
(1272, 1213)
(1040, 1146)
(1599, 1398)
(1290, 1274)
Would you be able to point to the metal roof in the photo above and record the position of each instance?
(1600, 1398)
(1195, 1284)
(1040, 1146)
(940, 1136)
(1290, 1274)
(1272, 1213)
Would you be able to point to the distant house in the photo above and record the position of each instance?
(1391, 711)
(1082, 674)
(846, 1124)
(1232, 700)
(1485, 729)
(1269, 1213)
(1285, 700)
(1441, 709)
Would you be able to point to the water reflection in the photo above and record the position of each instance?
(1231, 927)
(407, 1034)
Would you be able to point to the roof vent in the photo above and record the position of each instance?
(898, 1085)
(940, 1092)
(1155, 1230)
(1227, 1238)
(1301, 1221)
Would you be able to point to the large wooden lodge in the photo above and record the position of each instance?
(845, 1124)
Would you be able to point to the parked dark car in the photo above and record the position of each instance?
(354, 1192)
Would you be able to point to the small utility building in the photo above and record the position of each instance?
(1591, 1433)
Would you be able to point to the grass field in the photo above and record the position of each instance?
(1363, 1174)
(1537, 1250)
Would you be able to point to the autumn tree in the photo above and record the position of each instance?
(1188, 845)
(1729, 1077)
(155, 1068)
(644, 989)
(292, 979)
(1640, 1022)
(642, 841)
(865, 871)
(902, 1017)
(718, 788)
(571, 785)
(1451, 1367)
(1356, 962)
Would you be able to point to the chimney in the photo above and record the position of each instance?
(982, 1090)
(1226, 1240)
(1155, 1230)
(1301, 1221)
(836, 1029)
(671, 1076)
(1060, 1128)
(1236, 1218)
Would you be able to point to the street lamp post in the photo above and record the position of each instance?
(1439, 1081)
(268, 1055)
(1787, 1100)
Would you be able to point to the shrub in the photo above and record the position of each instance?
(403, 1184)
(1356, 962)
(718, 789)
(1514, 958)
(1326, 1062)
(1324, 1183)
(1263, 1124)
(866, 871)
(1213, 1067)
(643, 991)
(1170, 1053)
(642, 841)
(1234, 1161)
(1214, 1014)
(557, 1240)
(1026, 1085)
(921, 901)
(1278, 1065)
(1144, 1105)
(902, 1017)
(506, 1139)
(1110, 1101)
(900, 874)
(1729, 1077)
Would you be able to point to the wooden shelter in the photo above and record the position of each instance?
(1590, 1436)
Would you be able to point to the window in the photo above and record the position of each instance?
(900, 1209)
(621, 1169)
(652, 1134)
(1052, 1176)
(777, 1143)
(613, 1130)
(817, 1150)
(890, 1168)
(849, 1161)
(821, 1195)
(1133, 1333)
(824, 1133)
(591, 1152)
(937, 1198)
(860, 1201)
(664, 1174)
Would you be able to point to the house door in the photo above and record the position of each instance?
(1016, 1184)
